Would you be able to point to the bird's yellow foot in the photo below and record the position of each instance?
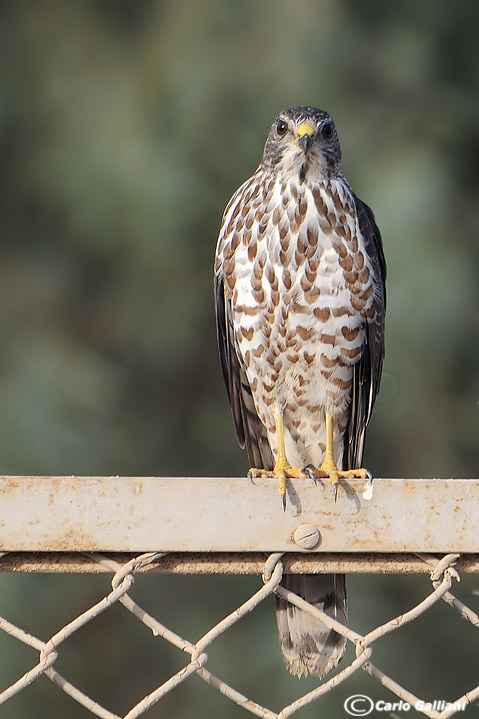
(329, 470)
(281, 472)
(282, 468)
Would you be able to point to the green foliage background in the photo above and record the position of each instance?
(124, 129)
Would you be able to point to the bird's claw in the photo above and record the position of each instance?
(309, 470)
(368, 490)
(335, 491)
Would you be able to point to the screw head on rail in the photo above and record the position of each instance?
(306, 536)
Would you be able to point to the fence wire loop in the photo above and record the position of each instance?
(273, 561)
(442, 575)
(446, 564)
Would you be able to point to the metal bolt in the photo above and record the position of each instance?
(306, 536)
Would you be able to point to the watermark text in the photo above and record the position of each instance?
(360, 705)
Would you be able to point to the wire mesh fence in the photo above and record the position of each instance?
(444, 569)
(442, 575)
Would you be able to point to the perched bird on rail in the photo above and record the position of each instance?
(300, 304)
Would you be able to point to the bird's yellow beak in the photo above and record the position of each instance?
(305, 129)
(305, 136)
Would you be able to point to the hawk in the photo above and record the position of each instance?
(300, 304)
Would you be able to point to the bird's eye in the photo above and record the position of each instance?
(281, 127)
(327, 131)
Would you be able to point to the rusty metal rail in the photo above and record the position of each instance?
(138, 514)
(241, 563)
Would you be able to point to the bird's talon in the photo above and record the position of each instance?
(309, 470)
(335, 491)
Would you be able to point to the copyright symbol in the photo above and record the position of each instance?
(358, 705)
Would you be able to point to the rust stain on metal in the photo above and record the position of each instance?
(9, 484)
(237, 563)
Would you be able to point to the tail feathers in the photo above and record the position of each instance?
(308, 646)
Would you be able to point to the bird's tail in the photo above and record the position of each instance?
(307, 645)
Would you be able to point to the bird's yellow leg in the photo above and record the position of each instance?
(282, 464)
(329, 465)
(282, 468)
(329, 468)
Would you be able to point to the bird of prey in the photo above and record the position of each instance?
(300, 304)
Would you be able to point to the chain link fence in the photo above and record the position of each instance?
(443, 574)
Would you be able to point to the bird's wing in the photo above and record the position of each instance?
(250, 431)
(367, 372)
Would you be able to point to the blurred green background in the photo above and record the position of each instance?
(124, 129)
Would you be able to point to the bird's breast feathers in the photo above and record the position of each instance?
(297, 273)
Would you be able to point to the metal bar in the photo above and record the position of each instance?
(228, 563)
(137, 514)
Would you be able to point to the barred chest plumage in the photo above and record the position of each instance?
(298, 275)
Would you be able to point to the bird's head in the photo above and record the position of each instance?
(303, 140)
